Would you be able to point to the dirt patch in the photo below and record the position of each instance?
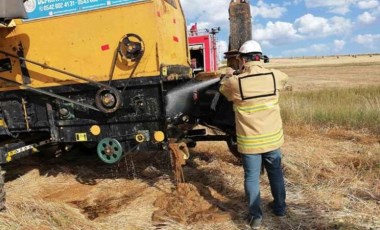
(67, 194)
(40, 227)
(186, 205)
(108, 203)
(349, 135)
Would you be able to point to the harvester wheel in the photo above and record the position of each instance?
(2, 192)
(110, 150)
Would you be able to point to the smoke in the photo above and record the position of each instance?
(178, 100)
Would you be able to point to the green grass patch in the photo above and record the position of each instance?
(354, 108)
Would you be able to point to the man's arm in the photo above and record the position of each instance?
(225, 87)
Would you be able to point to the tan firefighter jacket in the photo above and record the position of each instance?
(255, 95)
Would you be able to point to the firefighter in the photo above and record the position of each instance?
(255, 94)
(194, 30)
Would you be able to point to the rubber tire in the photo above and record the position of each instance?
(2, 192)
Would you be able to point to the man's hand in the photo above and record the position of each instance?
(230, 71)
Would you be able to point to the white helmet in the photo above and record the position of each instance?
(250, 46)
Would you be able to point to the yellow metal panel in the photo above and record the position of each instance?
(84, 43)
(173, 44)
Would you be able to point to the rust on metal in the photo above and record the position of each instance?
(240, 29)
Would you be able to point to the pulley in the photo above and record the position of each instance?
(109, 150)
(131, 47)
(108, 100)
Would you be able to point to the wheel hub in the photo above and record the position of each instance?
(110, 150)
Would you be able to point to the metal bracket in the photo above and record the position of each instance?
(24, 69)
(10, 152)
(50, 94)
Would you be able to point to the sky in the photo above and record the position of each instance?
(298, 27)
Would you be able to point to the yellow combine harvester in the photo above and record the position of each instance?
(100, 72)
(82, 71)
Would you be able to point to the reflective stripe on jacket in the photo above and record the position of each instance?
(255, 94)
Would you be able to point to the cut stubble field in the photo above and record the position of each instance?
(331, 163)
(330, 72)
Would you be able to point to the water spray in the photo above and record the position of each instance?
(178, 98)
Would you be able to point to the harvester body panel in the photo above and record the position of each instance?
(88, 70)
(84, 41)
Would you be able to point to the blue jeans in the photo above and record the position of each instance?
(252, 167)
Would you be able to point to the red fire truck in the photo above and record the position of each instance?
(203, 49)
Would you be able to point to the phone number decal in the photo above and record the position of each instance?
(37, 9)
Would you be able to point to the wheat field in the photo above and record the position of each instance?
(331, 160)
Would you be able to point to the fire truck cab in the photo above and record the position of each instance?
(203, 49)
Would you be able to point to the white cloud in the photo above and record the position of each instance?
(339, 45)
(335, 6)
(200, 26)
(319, 48)
(366, 18)
(368, 4)
(368, 40)
(221, 47)
(311, 25)
(276, 33)
(296, 2)
(215, 13)
(305, 27)
(267, 10)
(266, 44)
